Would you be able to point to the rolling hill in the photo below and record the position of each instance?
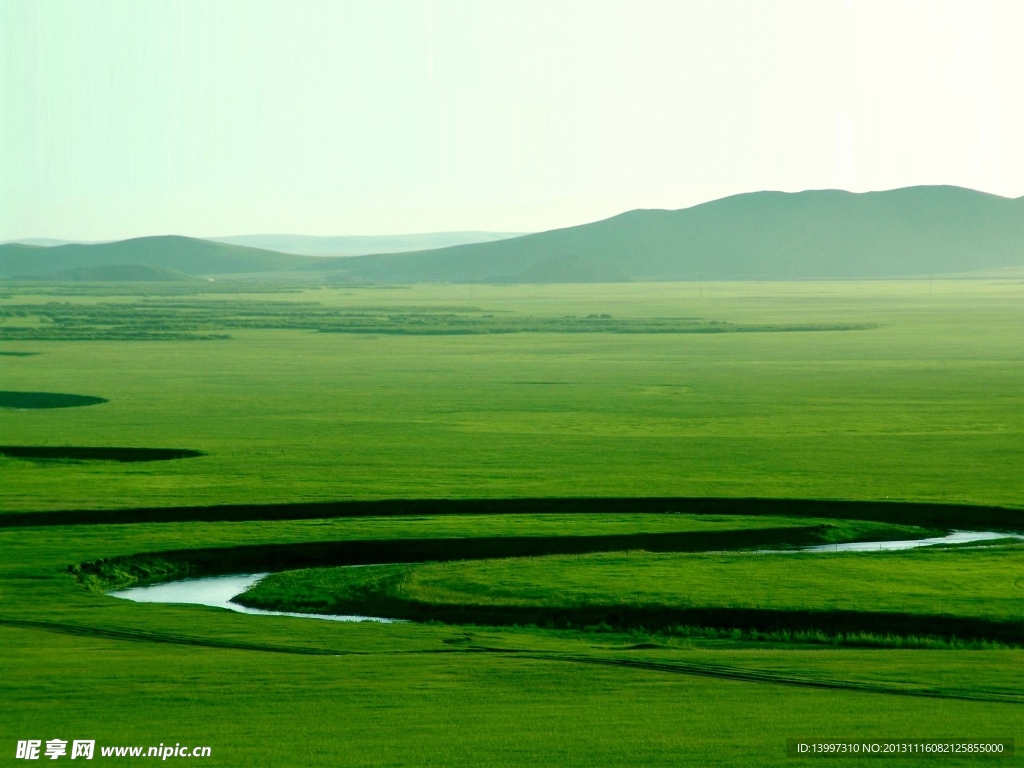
(120, 273)
(188, 255)
(761, 235)
(914, 231)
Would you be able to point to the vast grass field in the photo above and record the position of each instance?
(925, 406)
(907, 392)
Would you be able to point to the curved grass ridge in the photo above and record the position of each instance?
(859, 627)
(928, 515)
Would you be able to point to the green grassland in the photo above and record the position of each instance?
(387, 706)
(304, 692)
(177, 319)
(925, 406)
(959, 582)
(907, 391)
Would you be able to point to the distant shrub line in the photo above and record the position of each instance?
(827, 626)
(183, 319)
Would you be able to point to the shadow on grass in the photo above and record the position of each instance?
(33, 400)
(81, 453)
(925, 515)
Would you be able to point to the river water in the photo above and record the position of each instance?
(217, 591)
(956, 537)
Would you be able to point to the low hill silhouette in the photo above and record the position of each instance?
(821, 234)
(188, 255)
(761, 235)
(121, 273)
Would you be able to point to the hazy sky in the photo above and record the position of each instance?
(128, 118)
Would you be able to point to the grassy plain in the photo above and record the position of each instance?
(927, 406)
(265, 690)
(388, 706)
(960, 582)
(924, 406)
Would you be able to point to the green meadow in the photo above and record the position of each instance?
(572, 637)
(924, 406)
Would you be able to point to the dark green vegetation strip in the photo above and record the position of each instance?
(120, 571)
(82, 453)
(32, 400)
(674, 667)
(920, 514)
(198, 319)
(668, 618)
(17, 354)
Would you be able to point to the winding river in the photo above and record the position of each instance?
(217, 591)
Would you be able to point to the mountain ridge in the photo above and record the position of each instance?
(814, 234)
(756, 235)
(189, 255)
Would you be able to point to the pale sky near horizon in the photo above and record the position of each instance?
(121, 119)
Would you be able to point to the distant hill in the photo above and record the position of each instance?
(46, 242)
(311, 245)
(134, 273)
(182, 254)
(761, 235)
